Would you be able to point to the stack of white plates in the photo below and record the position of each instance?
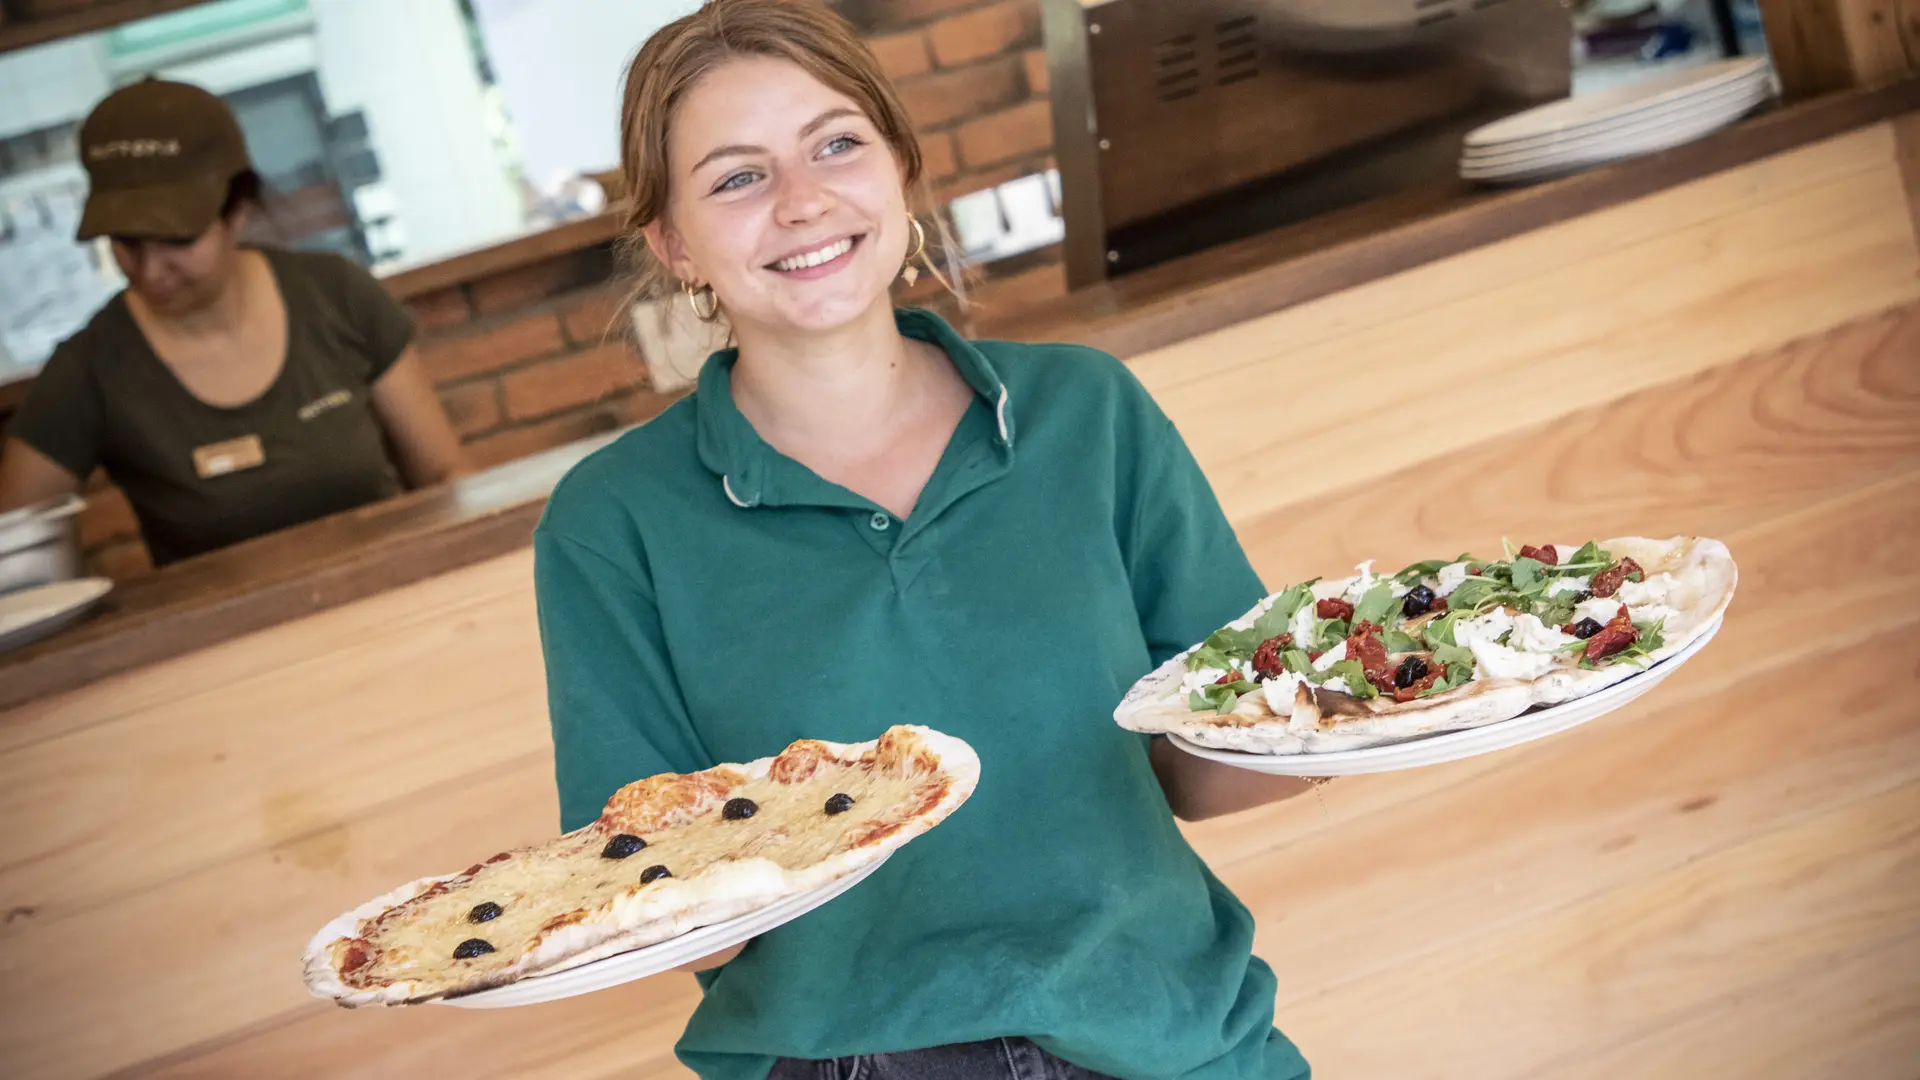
(1625, 121)
(27, 615)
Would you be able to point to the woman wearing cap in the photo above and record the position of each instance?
(995, 540)
(229, 390)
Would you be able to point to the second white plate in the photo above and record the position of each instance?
(653, 959)
(1454, 745)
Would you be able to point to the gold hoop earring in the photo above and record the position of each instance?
(910, 273)
(693, 301)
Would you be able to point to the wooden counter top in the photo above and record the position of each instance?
(330, 562)
(298, 571)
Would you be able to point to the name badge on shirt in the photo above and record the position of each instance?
(231, 456)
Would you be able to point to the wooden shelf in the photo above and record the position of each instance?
(17, 32)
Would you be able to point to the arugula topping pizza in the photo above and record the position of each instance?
(669, 854)
(1441, 645)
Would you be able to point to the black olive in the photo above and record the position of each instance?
(1418, 601)
(1586, 628)
(622, 846)
(1411, 671)
(654, 873)
(484, 912)
(471, 948)
(739, 809)
(840, 803)
(1583, 596)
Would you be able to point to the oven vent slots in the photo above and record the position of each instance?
(1236, 50)
(1176, 64)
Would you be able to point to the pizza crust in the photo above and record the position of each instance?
(1703, 579)
(649, 914)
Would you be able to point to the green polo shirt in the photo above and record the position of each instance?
(705, 599)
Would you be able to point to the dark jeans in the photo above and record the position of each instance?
(995, 1059)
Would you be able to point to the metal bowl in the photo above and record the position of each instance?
(40, 543)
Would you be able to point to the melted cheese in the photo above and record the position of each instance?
(1651, 591)
(569, 875)
(1303, 625)
(1361, 583)
(1653, 613)
(1487, 627)
(1196, 682)
(1499, 661)
(1451, 577)
(1569, 584)
(1280, 693)
(1532, 635)
(1600, 609)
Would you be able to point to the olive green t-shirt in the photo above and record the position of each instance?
(705, 599)
(105, 399)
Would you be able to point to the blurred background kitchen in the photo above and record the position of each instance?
(462, 149)
(403, 133)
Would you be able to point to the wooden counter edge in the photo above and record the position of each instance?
(296, 572)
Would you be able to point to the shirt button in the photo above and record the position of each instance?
(880, 522)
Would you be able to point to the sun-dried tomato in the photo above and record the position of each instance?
(1228, 679)
(1546, 554)
(1439, 606)
(1473, 571)
(1607, 582)
(1266, 658)
(1315, 654)
(1612, 638)
(1333, 608)
(1435, 671)
(1364, 645)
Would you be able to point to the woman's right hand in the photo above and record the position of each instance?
(28, 476)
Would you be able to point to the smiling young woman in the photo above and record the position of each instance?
(863, 518)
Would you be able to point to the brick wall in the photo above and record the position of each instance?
(537, 356)
(973, 74)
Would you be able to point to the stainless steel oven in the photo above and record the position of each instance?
(1180, 124)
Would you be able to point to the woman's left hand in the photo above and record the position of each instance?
(1198, 789)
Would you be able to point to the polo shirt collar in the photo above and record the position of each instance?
(752, 473)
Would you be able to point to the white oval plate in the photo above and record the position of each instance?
(1454, 745)
(31, 614)
(1573, 158)
(1658, 92)
(653, 959)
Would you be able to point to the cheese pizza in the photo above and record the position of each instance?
(670, 853)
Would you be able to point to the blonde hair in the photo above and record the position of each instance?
(804, 32)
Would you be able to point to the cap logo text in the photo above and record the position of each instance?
(134, 148)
